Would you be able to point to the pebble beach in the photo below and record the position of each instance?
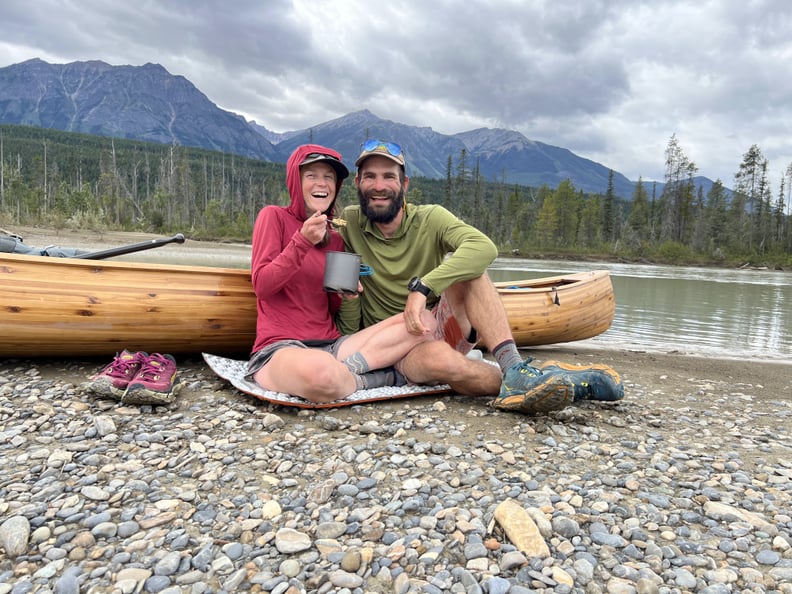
(683, 486)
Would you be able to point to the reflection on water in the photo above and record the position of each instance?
(725, 313)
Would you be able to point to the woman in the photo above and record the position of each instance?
(298, 348)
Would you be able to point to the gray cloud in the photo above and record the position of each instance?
(610, 80)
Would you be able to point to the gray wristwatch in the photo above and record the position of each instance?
(415, 284)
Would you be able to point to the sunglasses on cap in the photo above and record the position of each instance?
(317, 156)
(392, 148)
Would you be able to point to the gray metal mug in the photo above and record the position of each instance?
(342, 271)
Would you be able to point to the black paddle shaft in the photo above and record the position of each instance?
(128, 249)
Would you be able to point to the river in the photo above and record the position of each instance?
(700, 311)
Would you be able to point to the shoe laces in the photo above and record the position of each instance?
(125, 365)
(153, 367)
(526, 367)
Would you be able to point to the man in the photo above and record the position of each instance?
(425, 257)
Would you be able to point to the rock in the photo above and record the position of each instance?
(521, 529)
(288, 540)
(14, 536)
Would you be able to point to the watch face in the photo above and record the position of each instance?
(417, 285)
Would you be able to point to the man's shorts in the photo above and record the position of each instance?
(448, 328)
(261, 357)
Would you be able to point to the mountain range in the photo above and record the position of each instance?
(148, 103)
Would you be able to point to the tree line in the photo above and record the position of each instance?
(60, 179)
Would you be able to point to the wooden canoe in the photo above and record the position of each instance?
(557, 309)
(63, 307)
(71, 308)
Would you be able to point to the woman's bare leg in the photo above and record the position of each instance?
(312, 374)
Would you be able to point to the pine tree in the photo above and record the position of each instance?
(636, 232)
(608, 211)
(548, 220)
(589, 234)
(449, 186)
(750, 187)
(716, 216)
(461, 193)
(567, 205)
(678, 194)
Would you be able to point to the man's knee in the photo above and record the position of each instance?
(435, 357)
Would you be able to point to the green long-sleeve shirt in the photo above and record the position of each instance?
(418, 248)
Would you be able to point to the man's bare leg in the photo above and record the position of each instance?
(438, 363)
(477, 305)
(483, 310)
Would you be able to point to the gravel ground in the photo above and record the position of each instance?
(684, 486)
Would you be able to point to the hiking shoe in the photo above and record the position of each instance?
(531, 390)
(155, 383)
(592, 382)
(112, 381)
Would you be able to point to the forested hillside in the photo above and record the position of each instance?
(60, 179)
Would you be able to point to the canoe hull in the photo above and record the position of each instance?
(58, 307)
(65, 307)
(559, 308)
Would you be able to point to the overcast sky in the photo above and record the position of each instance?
(609, 80)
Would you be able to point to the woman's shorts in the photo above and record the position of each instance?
(261, 357)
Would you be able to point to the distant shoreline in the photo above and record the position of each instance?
(102, 239)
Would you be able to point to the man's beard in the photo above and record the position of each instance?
(382, 216)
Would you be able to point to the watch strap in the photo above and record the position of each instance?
(417, 285)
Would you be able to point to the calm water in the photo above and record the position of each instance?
(723, 313)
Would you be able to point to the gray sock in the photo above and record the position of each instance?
(360, 382)
(357, 363)
(506, 354)
(380, 378)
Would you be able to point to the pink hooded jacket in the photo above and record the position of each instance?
(288, 271)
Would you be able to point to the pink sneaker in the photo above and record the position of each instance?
(113, 380)
(155, 383)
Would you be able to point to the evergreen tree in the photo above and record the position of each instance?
(479, 214)
(512, 227)
(636, 230)
(567, 206)
(678, 194)
(548, 220)
(750, 183)
(589, 234)
(608, 211)
(716, 216)
(461, 194)
(778, 216)
(698, 240)
(449, 187)
(786, 233)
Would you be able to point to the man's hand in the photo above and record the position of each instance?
(314, 228)
(415, 306)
